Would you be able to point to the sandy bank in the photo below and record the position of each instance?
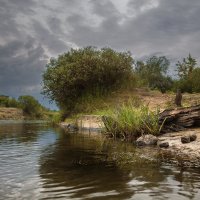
(181, 154)
(10, 113)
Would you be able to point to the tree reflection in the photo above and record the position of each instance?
(80, 166)
(89, 166)
(20, 132)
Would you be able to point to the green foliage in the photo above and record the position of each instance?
(129, 122)
(184, 85)
(76, 73)
(153, 73)
(6, 101)
(186, 67)
(55, 117)
(195, 80)
(31, 106)
(189, 75)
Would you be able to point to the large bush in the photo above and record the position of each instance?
(31, 107)
(85, 71)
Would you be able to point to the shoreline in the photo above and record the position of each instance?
(11, 113)
(184, 155)
(188, 154)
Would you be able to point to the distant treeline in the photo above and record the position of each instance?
(30, 106)
(93, 72)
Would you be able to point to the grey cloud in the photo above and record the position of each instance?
(102, 35)
(11, 7)
(55, 25)
(29, 28)
(166, 28)
(21, 71)
(104, 8)
(137, 4)
(48, 39)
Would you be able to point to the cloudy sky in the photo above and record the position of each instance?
(32, 31)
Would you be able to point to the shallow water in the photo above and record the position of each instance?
(40, 162)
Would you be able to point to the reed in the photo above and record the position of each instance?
(129, 122)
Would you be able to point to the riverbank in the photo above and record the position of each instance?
(182, 154)
(178, 153)
(11, 114)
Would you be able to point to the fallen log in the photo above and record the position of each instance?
(179, 119)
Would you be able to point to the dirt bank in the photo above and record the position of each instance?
(181, 154)
(11, 113)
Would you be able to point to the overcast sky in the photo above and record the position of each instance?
(32, 31)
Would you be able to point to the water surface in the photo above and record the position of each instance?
(40, 162)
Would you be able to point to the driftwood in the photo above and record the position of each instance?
(179, 119)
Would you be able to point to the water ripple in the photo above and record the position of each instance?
(38, 162)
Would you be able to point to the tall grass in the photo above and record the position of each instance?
(55, 118)
(129, 122)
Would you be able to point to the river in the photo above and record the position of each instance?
(41, 162)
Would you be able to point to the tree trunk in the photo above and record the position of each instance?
(179, 119)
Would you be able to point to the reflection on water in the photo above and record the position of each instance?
(39, 162)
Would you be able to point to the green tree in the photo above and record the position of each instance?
(153, 73)
(6, 101)
(195, 80)
(186, 67)
(31, 106)
(78, 72)
(186, 72)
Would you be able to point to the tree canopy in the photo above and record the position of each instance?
(153, 73)
(186, 67)
(31, 106)
(88, 70)
(189, 75)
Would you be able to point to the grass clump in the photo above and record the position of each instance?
(129, 122)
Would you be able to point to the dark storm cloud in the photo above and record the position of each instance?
(31, 30)
(22, 50)
(102, 35)
(21, 65)
(166, 26)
